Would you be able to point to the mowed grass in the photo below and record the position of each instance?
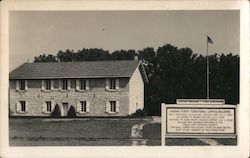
(92, 132)
(51, 132)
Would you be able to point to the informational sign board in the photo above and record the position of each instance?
(200, 101)
(198, 121)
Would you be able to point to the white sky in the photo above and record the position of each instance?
(36, 32)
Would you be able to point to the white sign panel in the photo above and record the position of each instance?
(200, 101)
(200, 120)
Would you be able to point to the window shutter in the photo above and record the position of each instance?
(117, 83)
(26, 84)
(17, 85)
(77, 84)
(44, 107)
(59, 84)
(117, 106)
(87, 106)
(52, 106)
(68, 81)
(107, 106)
(107, 84)
(26, 106)
(18, 106)
(42, 85)
(52, 84)
(78, 106)
(87, 84)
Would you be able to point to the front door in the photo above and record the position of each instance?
(65, 109)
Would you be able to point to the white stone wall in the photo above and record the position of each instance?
(96, 95)
(136, 92)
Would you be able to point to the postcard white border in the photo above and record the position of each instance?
(241, 150)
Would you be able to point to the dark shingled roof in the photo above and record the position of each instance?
(84, 69)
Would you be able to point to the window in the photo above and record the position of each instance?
(47, 85)
(21, 85)
(112, 106)
(48, 106)
(112, 83)
(64, 85)
(23, 106)
(82, 84)
(83, 106)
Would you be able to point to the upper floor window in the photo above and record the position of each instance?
(64, 84)
(21, 85)
(112, 84)
(82, 84)
(47, 85)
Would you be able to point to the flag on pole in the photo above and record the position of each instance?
(209, 40)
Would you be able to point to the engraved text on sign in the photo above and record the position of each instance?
(191, 120)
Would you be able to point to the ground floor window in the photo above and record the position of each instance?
(83, 105)
(112, 106)
(48, 106)
(23, 106)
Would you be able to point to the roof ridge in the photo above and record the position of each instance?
(83, 61)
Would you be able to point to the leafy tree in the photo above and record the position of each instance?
(72, 112)
(173, 73)
(45, 58)
(123, 55)
(56, 112)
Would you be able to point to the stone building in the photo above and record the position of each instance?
(94, 88)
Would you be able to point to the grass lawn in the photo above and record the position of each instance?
(92, 132)
(61, 132)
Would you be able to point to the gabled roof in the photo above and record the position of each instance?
(83, 69)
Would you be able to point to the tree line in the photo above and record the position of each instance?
(174, 73)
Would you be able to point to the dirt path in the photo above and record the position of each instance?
(136, 131)
(211, 142)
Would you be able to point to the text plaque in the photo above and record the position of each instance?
(200, 120)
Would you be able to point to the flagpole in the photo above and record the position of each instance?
(207, 71)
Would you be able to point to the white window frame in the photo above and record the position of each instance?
(18, 85)
(44, 84)
(68, 81)
(19, 106)
(79, 107)
(78, 85)
(45, 106)
(109, 107)
(108, 84)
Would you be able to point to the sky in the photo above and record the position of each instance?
(37, 32)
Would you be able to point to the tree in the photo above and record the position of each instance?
(45, 58)
(72, 112)
(56, 112)
(123, 55)
(173, 73)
